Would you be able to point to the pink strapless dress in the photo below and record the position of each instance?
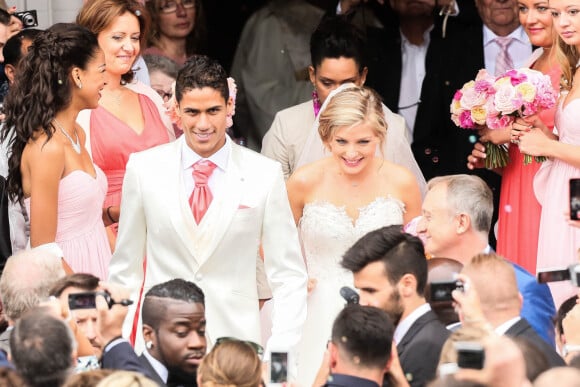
(559, 242)
(80, 231)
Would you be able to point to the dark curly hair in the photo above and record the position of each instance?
(42, 88)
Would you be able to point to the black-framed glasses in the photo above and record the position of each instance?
(170, 6)
(256, 347)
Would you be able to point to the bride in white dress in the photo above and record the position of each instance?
(338, 199)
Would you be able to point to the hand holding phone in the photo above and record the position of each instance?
(278, 368)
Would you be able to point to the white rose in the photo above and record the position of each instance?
(504, 99)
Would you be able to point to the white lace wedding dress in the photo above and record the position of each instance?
(327, 232)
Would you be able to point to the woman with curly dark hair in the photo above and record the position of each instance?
(49, 167)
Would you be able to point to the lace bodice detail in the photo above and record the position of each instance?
(327, 232)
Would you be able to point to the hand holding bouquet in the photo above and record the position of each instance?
(495, 102)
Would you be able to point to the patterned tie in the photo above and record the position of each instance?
(201, 196)
(503, 62)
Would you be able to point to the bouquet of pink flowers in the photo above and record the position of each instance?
(495, 102)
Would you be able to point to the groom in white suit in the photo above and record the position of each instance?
(249, 207)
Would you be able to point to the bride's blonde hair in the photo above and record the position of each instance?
(353, 106)
(231, 364)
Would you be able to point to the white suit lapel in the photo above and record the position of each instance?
(203, 239)
(180, 212)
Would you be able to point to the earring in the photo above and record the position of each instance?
(149, 344)
(79, 83)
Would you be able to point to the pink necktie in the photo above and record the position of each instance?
(503, 62)
(201, 196)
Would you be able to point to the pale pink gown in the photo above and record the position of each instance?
(558, 242)
(80, 232)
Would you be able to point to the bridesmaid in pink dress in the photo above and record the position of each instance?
(519, 211)
(559, 242)
(129, 117)
(49, 166)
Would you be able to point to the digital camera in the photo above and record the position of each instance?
(29, 19)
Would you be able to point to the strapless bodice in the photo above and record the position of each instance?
(327, 231)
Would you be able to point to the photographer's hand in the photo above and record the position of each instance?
(467, 304)
(110, 321)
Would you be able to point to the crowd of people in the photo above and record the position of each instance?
(142, 243)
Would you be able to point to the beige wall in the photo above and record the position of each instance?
(49, 11)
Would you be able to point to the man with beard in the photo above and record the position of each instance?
(390, 271)
(174, 331)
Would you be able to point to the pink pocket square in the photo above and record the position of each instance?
(242, 207)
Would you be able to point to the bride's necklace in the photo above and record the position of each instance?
(75, 144)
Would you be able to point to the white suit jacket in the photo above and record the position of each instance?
(219, 254)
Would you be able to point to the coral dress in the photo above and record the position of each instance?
(558, 242)
(519, 210)
(113, 141)
(80, 232)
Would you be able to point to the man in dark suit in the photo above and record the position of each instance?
(440, 147)
(457, 213)
(495, 281)
(361, 360)
(174, 331)
(390, 271)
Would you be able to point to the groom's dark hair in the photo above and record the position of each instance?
(201, 71)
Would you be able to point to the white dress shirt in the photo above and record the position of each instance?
(520, 48)
(219, 158)
(503, 328)
(405, 324)
(412, 74)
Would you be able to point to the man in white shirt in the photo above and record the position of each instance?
(390, 271)
(208, 226)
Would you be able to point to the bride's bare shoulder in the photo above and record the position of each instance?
(307, 175)
(396, 173)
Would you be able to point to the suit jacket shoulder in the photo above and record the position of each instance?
(285, 139)
(420, 348)
(152, 374)
(524, 330)
(538, 307)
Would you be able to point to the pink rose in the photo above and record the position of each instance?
(465, 120)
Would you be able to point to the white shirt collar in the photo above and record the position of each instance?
(219, 158)
(157, 366)
(426, 38)
(503, 328)
(518, 34)
(404, 325)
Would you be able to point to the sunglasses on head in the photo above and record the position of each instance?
(256, 347)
